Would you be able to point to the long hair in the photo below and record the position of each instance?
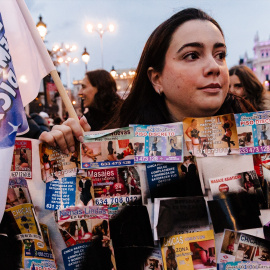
(144, 105)
(253, 88)
(105, 100)
(106, 96)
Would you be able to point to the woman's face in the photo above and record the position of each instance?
(195, 78)
(87, 92)
(236, 86)
(247, 177)
(194, 123)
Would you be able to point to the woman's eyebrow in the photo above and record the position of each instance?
(219, 45)
(192, 44)
(201, 45)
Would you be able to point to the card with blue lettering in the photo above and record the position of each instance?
(158, 143)
(211, 136)
(253, 131)
(107, 148)
(237, 246)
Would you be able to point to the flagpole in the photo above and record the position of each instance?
(47, 59)
(62, 91)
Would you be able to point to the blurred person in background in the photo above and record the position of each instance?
(100, 98)
(244, 83)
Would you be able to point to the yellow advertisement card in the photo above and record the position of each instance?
(189, 251)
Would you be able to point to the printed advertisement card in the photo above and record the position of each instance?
(158, 143)
(22, 159)
(60, 193)
(82, 224)
(115, 186)
(55, 164)
(174, 180)
(253, 132)
(18, 192)
(189, 251)
(237, 246)
(24, 222)
(107, 148)
(241, 182)
(211, 136)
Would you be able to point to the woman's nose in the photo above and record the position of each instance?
(211, 67)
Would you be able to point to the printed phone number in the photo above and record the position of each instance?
(116, 200)
(256, 149)
(143, 159)
(21, 174)
(108, 164)
(213, 151)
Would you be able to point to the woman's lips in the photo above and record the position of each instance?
(211, 88)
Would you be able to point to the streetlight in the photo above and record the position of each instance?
(100, 30)
(42, 28)
(59, 55)
(85, 58)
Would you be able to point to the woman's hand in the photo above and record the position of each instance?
(63, 135)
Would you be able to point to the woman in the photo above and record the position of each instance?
(175, 150)
(263, 136)
(182, 73)
(85, 192)
(154, 149)
(111, 156)
(99, 94)
(244, 83)
(88, 152)
(193, 140)
(227, 125)
(23, 163)
(248, 183)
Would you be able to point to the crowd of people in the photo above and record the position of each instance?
(182, 73)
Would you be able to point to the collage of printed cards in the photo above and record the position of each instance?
(205, 183)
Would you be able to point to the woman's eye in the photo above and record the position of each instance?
(238, 85)
(221, 55)
(191, 56)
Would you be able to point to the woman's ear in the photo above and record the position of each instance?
(155, 78)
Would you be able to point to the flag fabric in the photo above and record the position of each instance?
(29, 54)
(12, 116)
(23, 53)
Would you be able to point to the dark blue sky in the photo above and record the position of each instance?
(135, 20)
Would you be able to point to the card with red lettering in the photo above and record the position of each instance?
(22, 159)
(253, 131)
(236, 183)
(237, 246)
(211, 136)
(107, 148)
(158, 143)
(115, 186)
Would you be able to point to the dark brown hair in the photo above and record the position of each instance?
(144, 105)
(105, 101)
(253, 88)
(106, 95)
